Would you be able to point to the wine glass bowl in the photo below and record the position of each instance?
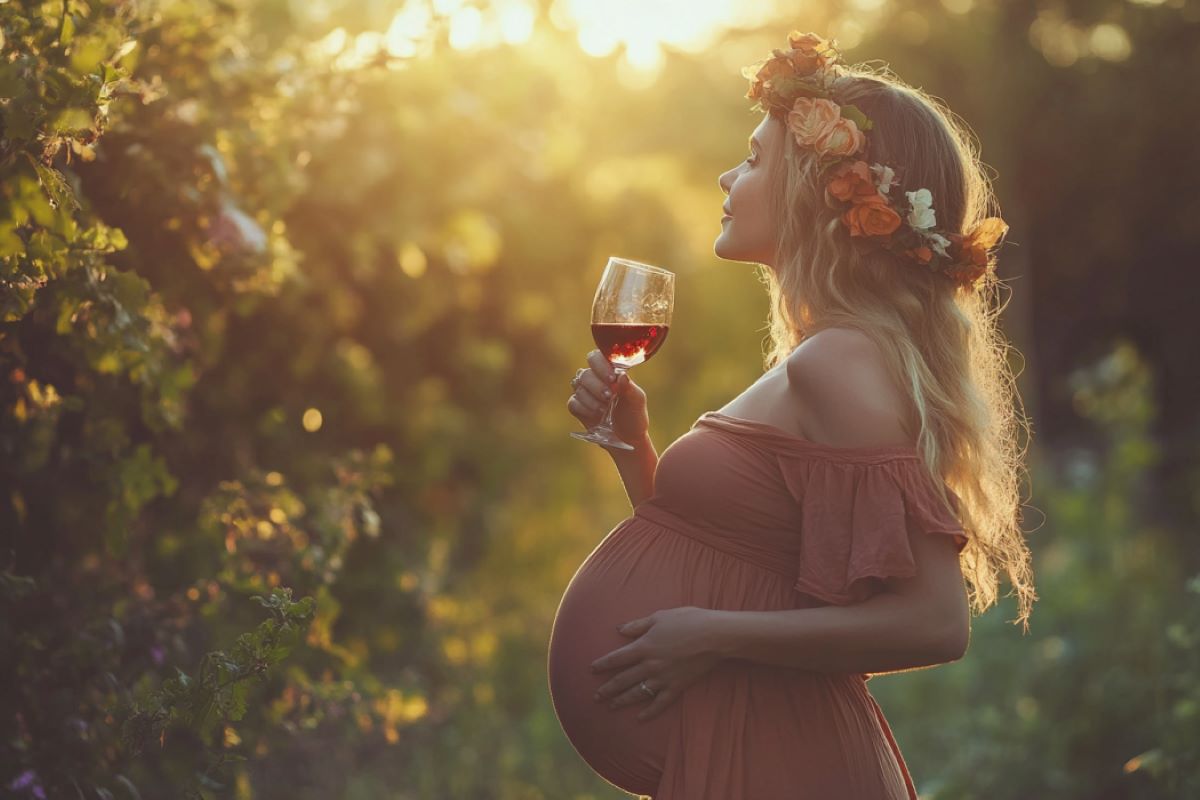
(631, 315)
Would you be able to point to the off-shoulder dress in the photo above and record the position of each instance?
(747, 516)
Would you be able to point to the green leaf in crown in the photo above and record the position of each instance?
(789, 88)
(858, 117)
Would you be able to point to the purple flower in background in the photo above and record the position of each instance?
(28, 780)
(157, 655)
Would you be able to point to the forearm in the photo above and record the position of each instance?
(637, 468)
(885, 633)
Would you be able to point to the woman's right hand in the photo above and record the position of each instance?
(588, 403)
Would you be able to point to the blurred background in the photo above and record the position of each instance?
(291, 293)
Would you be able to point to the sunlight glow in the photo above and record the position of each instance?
(466, 26)
(645, 28)
(516, 22)
(639, 30)
(410, 25)
(1064, 41)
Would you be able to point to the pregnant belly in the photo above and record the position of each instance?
(812, 734)
(631, 574)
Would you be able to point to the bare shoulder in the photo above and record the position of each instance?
(839, 379)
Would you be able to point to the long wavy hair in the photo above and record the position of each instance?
(943, 344)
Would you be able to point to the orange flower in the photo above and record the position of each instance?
(809, 41)
(970, 253)
(843, 139)
(979, 241)
(852, 181)
(810, 52)
(921, 253)
(966, 275)
(871, 217)
(811, 118)
(772, 68)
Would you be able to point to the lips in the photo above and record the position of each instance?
(728, 213)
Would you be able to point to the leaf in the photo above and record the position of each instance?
(56, 186)
(67, 32)
(72, 120)
(853, 113)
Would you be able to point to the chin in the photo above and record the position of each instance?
(723, 249)
(729, 251)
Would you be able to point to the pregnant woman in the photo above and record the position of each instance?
(845, 514)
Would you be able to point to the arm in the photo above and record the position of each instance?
(838, 380)
(916, 622)
(637, 469)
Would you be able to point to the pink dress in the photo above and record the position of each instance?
(746, 516)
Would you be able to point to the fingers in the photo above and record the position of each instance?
(600, 366)
(592, 392)
(623, 688)
(594, 387)
(661, 700)
(585, 413)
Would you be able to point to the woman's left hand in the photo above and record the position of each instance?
(673, 648)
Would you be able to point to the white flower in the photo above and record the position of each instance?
(921, 216)
(885, 176)
(938, 244)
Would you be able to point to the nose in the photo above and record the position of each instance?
(725, 182)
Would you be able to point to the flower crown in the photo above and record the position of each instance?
(797, 84)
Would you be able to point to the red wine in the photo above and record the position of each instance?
(628, 345)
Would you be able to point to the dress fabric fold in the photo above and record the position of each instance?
(746, 516)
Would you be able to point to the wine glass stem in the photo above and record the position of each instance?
(608, 420)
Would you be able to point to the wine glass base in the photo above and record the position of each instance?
(603, 438)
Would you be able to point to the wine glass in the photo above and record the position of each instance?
(631, 314)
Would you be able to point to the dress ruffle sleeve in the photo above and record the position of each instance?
(856, 516)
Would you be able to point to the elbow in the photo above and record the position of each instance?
(952, 644)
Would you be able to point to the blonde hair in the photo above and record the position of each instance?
(943, 345)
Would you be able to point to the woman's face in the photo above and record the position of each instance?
(748, 232)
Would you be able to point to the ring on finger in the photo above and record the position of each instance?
(627, 697)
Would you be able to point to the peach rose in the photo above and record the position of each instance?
(872, 217)
(842, 139)
(811, 118)
(852, 181)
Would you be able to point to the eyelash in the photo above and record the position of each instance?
(748, 161)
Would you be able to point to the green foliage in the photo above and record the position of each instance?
(1103, 688)
(216, 695)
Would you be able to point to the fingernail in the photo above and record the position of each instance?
(607, 393)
